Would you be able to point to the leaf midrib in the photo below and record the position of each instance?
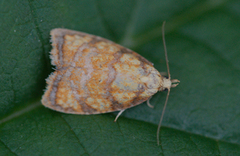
(192, 13)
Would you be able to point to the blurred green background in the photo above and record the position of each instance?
(203, 112)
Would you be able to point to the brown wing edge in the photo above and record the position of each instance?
(57, 35)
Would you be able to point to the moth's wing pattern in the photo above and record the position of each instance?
(94, 75)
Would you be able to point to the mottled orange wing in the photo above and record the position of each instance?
(94, 75)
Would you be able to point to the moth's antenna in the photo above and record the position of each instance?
(169, 77)
(165, 49)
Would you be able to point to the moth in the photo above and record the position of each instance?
(94, 75)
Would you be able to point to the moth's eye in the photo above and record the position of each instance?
(166, 77)
(165, 89)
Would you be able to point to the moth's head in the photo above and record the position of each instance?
(167, 83)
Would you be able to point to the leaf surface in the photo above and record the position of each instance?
(203, 112)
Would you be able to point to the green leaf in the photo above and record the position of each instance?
(203, 112)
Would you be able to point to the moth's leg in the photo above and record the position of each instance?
(119, 114)
(148, 103)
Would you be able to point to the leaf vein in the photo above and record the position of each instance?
(70, 128)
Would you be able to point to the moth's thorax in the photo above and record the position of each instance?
(96, 75)
(153, 81)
